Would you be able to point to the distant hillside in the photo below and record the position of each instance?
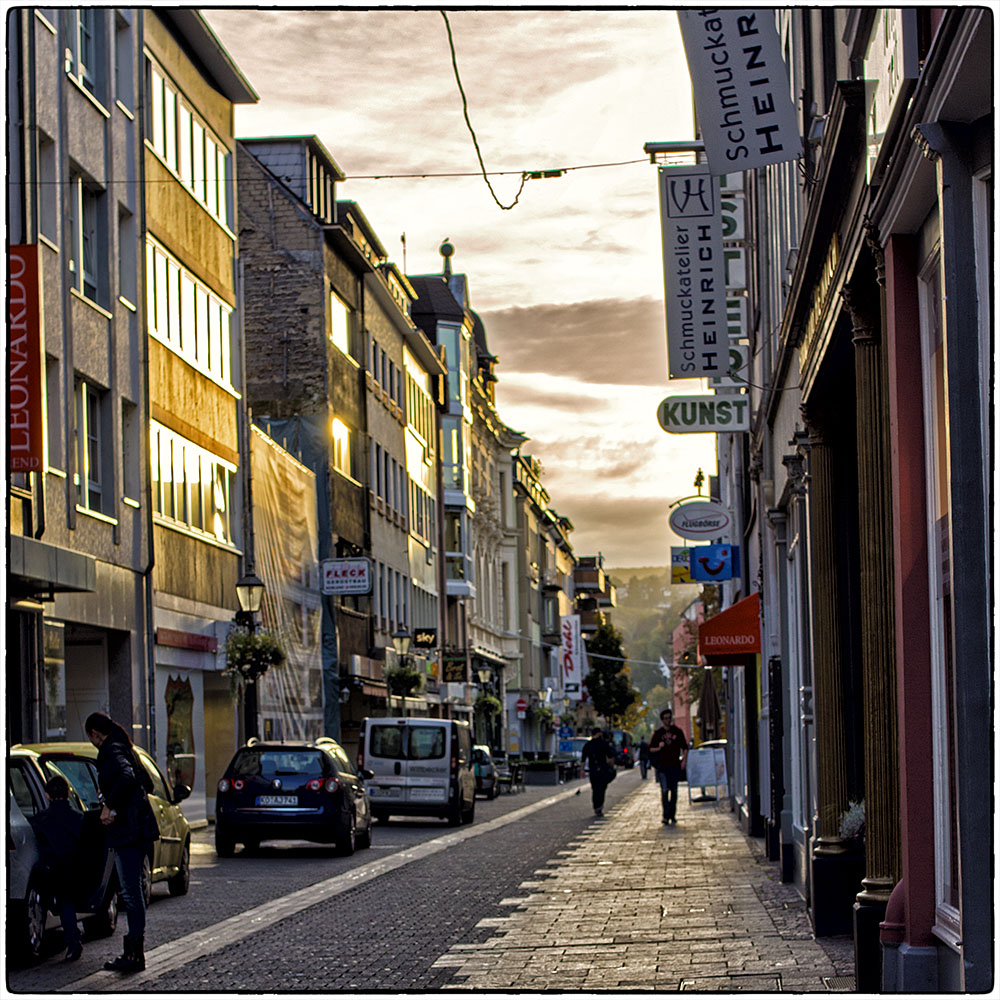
(648, 610)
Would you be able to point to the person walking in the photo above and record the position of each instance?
(668, 750)
(643, 758)
(58, 832)
(599, 765)
(128, 816)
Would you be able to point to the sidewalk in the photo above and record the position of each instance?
(635, 905)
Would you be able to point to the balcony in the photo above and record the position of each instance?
(591, 621)
(590, 579)
(552, 579)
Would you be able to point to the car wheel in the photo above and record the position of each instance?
(26, 926)
(147, 880)
(225, 842)
(251, 845)
(364, 838)
(455, 813)
(468, 815)
(380, 816)
(104, 922)
(179, 884)
(347, 841)
(492, 793)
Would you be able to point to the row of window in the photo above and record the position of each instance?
(385, 371)
(392, 595)
(388, 479)
(187, 146)
(191, 486)
(419, 412)
(422, 519)
(185, 315)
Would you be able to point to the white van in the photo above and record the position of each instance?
(423, 767)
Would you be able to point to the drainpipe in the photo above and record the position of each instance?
(144, 369)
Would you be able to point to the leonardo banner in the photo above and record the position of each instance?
(740, 84)
(693, 273)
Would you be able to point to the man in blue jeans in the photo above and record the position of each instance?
(668, 751)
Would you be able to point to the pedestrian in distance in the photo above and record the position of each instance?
(643, 758)
(58, 832)
(668, 750)
(126, 813)
(599, 765)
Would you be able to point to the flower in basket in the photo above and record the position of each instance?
(403, 681)
(487, 704)
(251, 654)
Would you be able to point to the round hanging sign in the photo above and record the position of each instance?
(700, 519)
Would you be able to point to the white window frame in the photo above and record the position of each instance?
(201, 488)
(90, 437)
(948, 918)
(183, 313)
(340, 324)
(207, 175)
(85, 233)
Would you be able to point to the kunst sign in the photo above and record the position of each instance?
(26, 433)
(694, 272)
(740, 86)
(704, 414)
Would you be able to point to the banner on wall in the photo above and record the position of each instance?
(25, 385)
(571, 657)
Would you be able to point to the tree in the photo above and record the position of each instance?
(608, 683)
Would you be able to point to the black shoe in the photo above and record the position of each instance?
(131, 959)
(598, 812)
(666, 822)
(74, 951)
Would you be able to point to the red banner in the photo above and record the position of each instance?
(25, 388)
(735, 631)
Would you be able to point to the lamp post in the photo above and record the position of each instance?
(484, 676)
(249, 593)
(401, 643)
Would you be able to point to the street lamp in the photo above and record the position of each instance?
(401, 643)
(484, 676)
(249, 593)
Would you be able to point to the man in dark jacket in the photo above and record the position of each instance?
(668, 750)
(599, 763)
(58, 830)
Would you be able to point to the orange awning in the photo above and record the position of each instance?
(733, 632)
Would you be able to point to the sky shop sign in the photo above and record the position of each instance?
(705, 414)
(25, 432)
(693, 272)
(347, 576)
(740, 86)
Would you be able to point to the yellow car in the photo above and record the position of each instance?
(170, 860)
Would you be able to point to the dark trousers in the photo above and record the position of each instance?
(67, 917)
(643, 768)
(598, 786)
(128, 861)
(668, 778)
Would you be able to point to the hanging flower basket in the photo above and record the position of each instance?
(488, 704)
(250, 654)
(545, 716)
(403, 681)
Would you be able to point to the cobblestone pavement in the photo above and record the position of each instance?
(634, 905)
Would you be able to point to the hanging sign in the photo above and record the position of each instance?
(571, 656)
(704, 414)
(700, 520)
(693, 272)
(424, 638)
(739, 369)
(740, 85)
(347, 576)
(680, 564)
(712, 563)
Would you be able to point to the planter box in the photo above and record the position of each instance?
(547, 774)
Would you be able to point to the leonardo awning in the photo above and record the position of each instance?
(733, 632)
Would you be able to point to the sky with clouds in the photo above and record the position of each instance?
(569, 282)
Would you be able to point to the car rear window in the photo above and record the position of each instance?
(407, 742)
(82, 776)
(277, 763)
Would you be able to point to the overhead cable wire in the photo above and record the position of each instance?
(475, 141)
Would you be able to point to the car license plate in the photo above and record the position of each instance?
(386, 791)
(427, 794)
(277, 800)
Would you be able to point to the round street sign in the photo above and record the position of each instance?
(700, 519)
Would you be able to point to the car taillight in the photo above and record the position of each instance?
(237, 784)
(224, 785)
(315, 785)
(332, 784)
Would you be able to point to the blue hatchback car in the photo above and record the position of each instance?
(303, 790)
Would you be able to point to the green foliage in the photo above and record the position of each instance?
(544, 715)
(487, 704)
(251, 654)
(609, 683)
(403, 681)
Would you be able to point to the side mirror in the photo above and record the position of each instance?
(367, 773)
(181, 792)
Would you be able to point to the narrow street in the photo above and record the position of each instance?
(536, 894)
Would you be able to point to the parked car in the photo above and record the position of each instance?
(421, 767)
(292, 790)
(170, 860)
(485, 770)
(578, 744)
(29, 903)
(625, 754)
